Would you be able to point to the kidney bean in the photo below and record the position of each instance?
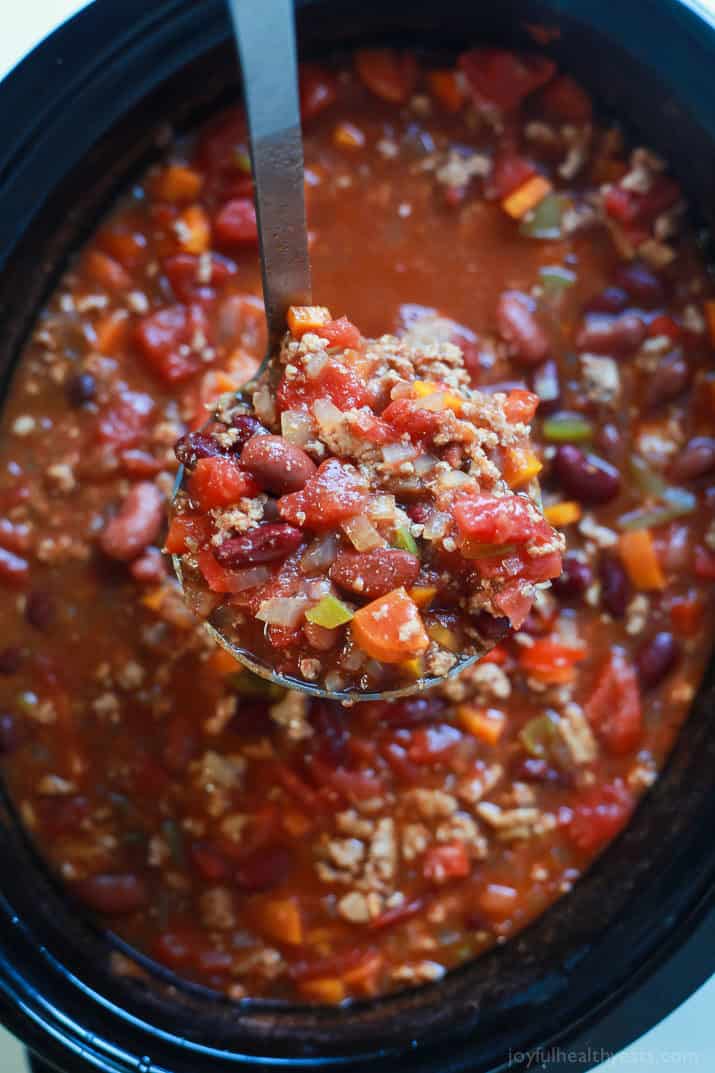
(80, 389)
(40, 610)
(610, 300)
(113, 893)
(277, 465)
(410, 711)
(14, 570)
(490, 627)
(266, 544)
(11, 659)
(518, 326)
(615, 586)
(15, 536)
(320, 638)
(575, 578)
(140, 464)
(136, 525)
(545, 383)
(640, 282)
(195, 445)
(149, 568)
(263, 869)
(609, 440)
(10, 733)
(668, 380)
(375, 573)
(695, 460)
(247, 428)
(585, 477)
(602, 334)
(656, 658)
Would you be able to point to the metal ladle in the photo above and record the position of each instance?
(265, 39)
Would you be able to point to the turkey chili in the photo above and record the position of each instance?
(263, 843)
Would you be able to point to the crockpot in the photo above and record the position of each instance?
(82, 115)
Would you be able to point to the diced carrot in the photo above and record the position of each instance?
(521, 465)
(280, 920)
(154, 598)
(638, 555)
(177, 182)
(485, 724)
(329, 990)
(551, 661)
(302, 319)
(194, 230)
(390, 628)
(422, 389)
(111, 331)
(526, 197)
(497, 901)
(423, 595)
(106, 271)
(218, 482)
(710, 318)
(389, 74)
(447, 89)
(686, 613)
(222, 662)
(565, 513)
(348, 136)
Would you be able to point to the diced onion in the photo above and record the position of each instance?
(249, 578)
(455, 479)
(320, 554)
(382, 508)
(435, 403)
(362, 534)
(283, 610)
(328, 416)
(424, 464)
(396, 453)
(436, 525)
(264, 405)
(296, 427)
(315, 365)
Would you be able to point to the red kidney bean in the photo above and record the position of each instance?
(40, 610)
(411, 711)
(113, 893)
(14, 570)
(575, 578)
(319, 638)
(545, 383)
(603, 334)
(640, 283)
(609, 440)
(517, 325)
(11, 659)
(615, 586)
(490, 627)
(136, 525)
(149, 568)
(668, 380)
(10, 733)
(140, 464)
(80, 389)
(375, 573)
(195, 445)
(277, 465)
(263, 869)
(265, 544)
(585, 477)
(610, 300)
(695, 460)
(656, 658)
(15, 536)
(247, 427)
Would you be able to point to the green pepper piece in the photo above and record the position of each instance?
(537, 736)
(329, 613)
(405, 541)
(253, 687)
(545, 220)
(555, 279)
(648, 481)
(567, 428)
(676, 503)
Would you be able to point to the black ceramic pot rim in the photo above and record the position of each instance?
(664, 977)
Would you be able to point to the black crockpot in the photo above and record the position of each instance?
(80, 117)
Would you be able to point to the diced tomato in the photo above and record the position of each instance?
(513, 602)
(664, 325)
(521, 405)
(551, 661)
(340, 333)
(218, 578)
(705, 563)
(389, 74)
(186, 530)
(337, 964)
(335, 382)
(397, 915)
(124, 244)
(219, 482)
(406, 416)
(504, 78)
(281, 637)
(124, 421)
(495, 519)
(235, 223)
(430, 744)
(167, 341)
(509, 171)
(222, 142)
(600, 814)
(358, 785)
(106, 271)
(614, 707)
(264, 868)
(445, 862)
(635, 209)
(296, 787)
(182, 271)
(318, 90)
(541, 567)
(335, 493)
(565, 100)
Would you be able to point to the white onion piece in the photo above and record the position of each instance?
(283, 610)
(315, 365)
(362, 534)
(320, 554)
(249, 578)
(455, 479)
(424, 464)
(296, 427)
(316, 590)
(264, 405)
(328, 416)
(396, 453)
(382, 508)
(436, 402)
(436, 525)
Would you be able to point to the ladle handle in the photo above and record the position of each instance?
(265, 32)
